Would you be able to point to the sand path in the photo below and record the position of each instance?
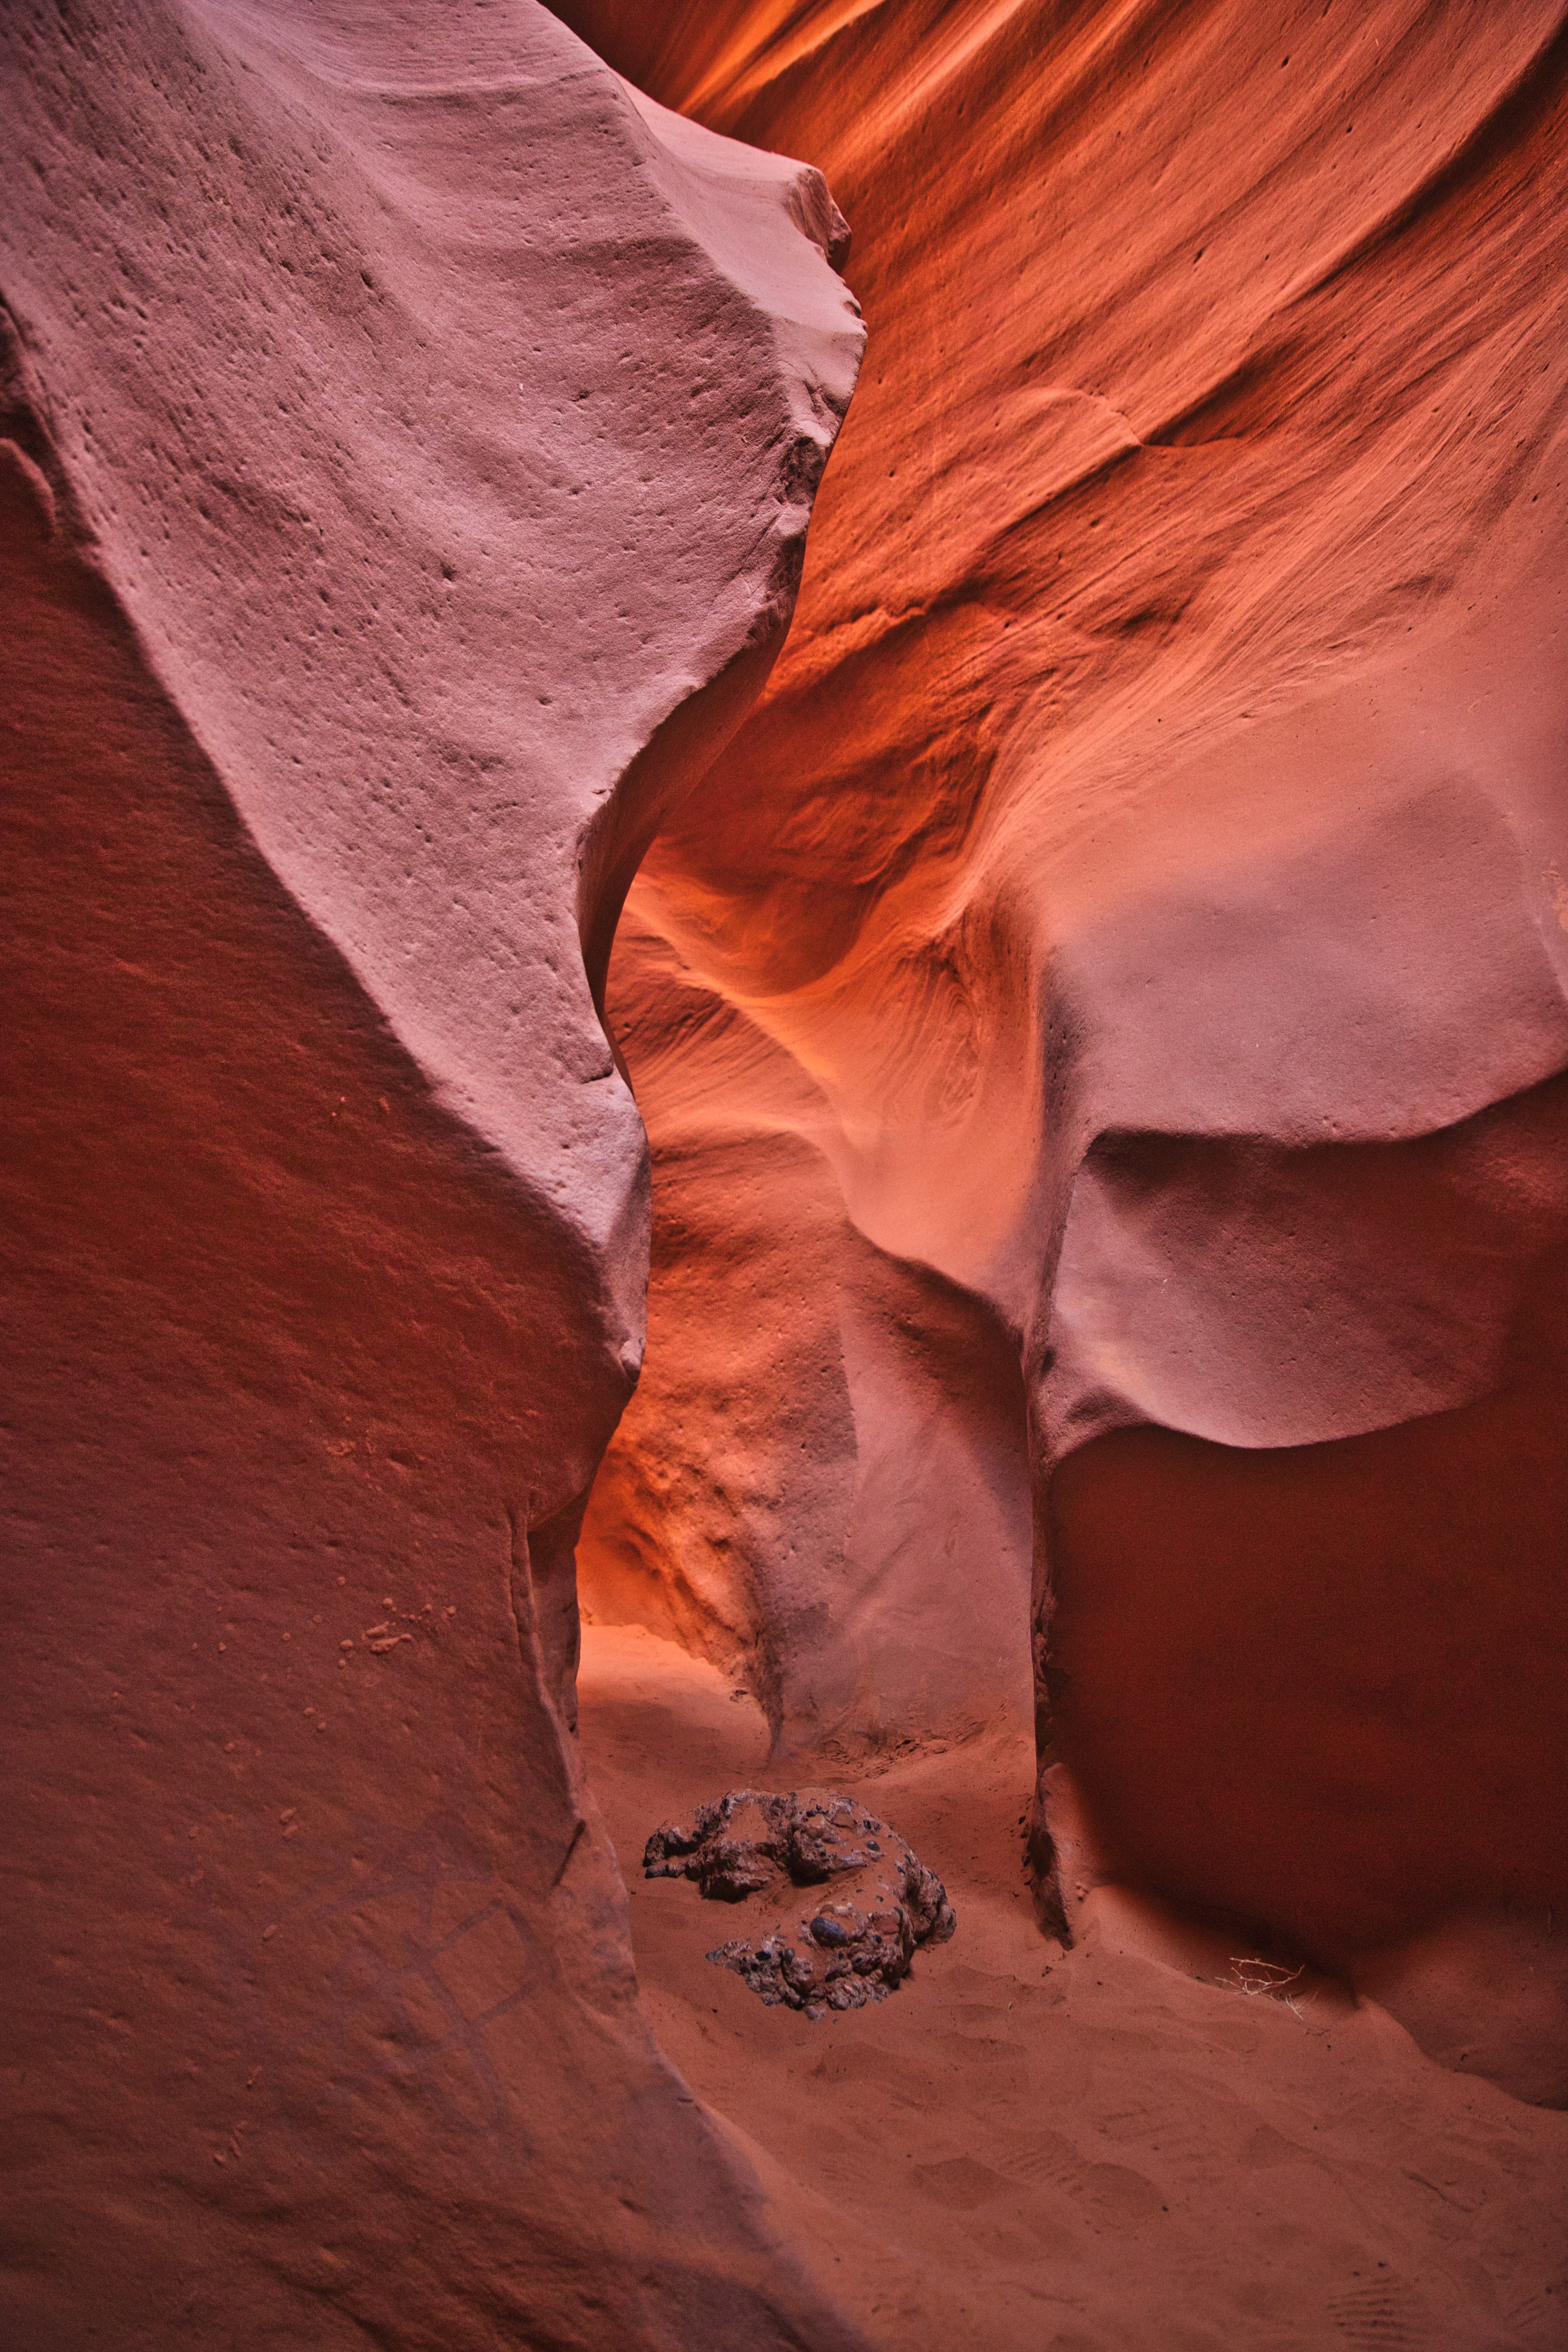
(1071, 2152)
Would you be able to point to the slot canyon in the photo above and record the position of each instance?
(787, 927)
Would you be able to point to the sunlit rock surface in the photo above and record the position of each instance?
(1127, 943)
(409, 439)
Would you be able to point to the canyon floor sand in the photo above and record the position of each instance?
(1071, 2152)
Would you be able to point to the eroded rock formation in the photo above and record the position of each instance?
(1099, 1016)
(409, 438)
(1110, 996)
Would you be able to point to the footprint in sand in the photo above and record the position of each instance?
(1380, 2317)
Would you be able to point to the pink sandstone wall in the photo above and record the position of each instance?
(407, 444)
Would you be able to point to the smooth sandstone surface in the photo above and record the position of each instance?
(409, 440)
(1122, 957)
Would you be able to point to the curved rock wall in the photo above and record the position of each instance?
(1132, 929)
(408, 441)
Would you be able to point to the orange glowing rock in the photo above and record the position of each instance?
(1100, 1023)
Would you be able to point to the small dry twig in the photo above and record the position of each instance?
(1253, 1975)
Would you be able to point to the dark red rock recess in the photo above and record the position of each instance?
(408, 441)
(1109, 994)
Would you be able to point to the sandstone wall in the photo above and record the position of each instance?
(408, 441)
(1133, 929)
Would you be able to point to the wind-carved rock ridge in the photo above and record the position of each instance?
(408, 444)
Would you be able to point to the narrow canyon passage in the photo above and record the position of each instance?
(785, 812)
(1099, 1027)
(1125, 950)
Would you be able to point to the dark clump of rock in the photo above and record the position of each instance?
(851, 1945)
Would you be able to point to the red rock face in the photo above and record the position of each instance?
(1097, 1005)
(1127, 943)
(409, 440)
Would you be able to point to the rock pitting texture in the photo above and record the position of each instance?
(408, 441)
(1129, 944)
(853, 1944)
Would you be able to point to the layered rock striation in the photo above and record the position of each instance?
(1110, 996)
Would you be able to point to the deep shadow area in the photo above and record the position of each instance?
(1321, 1685)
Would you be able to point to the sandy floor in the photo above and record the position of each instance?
(1084, 2152)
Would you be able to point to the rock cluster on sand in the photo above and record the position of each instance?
(838, 1953)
